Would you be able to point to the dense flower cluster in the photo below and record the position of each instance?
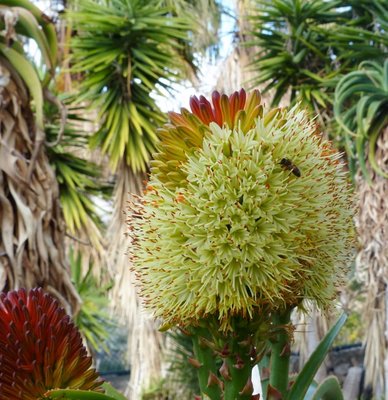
(40, 348)
(260, 218)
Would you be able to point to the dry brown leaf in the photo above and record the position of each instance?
(32, 239)
(372, 264)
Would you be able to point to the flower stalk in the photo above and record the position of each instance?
(280, 354)
(224, 363)
(239, 386)
(207, 367)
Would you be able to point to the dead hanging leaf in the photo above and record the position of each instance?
(9, 122)
(9, 164)
(23, 128)
(27, 225)
(372, 262)
(7, 224)
(42, 250)
(3, 277)
(32, 237)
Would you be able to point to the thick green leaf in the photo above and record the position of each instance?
(112, 392)
(360, 152)
(46, 23)
(28, 25)
(361, 101)
(306, 376)
(311, 390)
(328, 389)
(374, 134)
(70, 394)
(27, 72)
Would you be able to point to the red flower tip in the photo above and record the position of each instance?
(223, 109)
(40, 348)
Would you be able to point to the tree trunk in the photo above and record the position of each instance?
(311, 327)
(372, 267)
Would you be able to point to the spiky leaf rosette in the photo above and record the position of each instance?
(261, 219)
(40, 348)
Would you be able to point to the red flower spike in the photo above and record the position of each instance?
(223, 109)
(217, 108)
(233, 104)
(243, 97)
(40, 348)
(194, 105)
(206, 113)
(226, 110)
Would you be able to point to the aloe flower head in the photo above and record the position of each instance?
(40, 348)
(246, 210)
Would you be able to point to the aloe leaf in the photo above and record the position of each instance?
(311, 391)
(328, 389)
(385, 76)
(360, 149)
(112, 392)
(29, 76)
(306, 376)
(47, 25)
(374, 134)
(70, 394)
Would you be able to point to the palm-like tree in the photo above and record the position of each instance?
(361, 108)
(306, 46)
(32, 242)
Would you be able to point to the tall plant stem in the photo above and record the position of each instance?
(224, 365)
(280, 353)
(239, 386)
(205, 356)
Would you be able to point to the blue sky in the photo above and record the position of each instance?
(209, 71)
